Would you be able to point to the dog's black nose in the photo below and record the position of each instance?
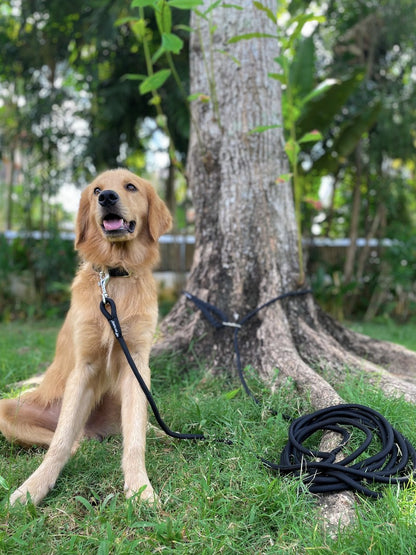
(108, 198)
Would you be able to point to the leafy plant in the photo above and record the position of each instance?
(170, 43)
(35, 275)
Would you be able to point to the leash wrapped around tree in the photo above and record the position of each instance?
(394, 463)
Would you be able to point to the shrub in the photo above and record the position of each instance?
(35, 275)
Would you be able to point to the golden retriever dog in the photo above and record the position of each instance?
(89, 389)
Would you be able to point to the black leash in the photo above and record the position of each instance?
(115, 326)
(391, 465)
(219, 320)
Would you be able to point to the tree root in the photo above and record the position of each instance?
(337, 511)
(392, 357)
(322, 350)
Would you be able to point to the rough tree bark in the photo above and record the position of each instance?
(246, 236)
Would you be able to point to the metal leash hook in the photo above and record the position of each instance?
(111, 314)
(102, 282)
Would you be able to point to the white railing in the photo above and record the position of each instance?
(178, 239)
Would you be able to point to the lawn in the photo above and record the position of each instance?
(387, 329)
(214, 498)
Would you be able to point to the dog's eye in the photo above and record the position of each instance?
(97, 191)
(131, 187)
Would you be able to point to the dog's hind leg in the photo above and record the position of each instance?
(28, 423)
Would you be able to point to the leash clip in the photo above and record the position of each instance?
(231, 325)
(102, 282)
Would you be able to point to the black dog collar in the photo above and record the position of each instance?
(114, 272)
(118, 272)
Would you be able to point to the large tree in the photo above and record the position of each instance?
(246, 233)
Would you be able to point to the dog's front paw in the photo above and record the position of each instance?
(23, 495)
(19, 496)
(143, 490)
(31, 490)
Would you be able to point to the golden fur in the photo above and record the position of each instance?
(89, 389)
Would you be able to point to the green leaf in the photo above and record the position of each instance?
(143, 3)
(279, 77)
(153, 82)
(232, 394)
(249, 36)
(319, 112)
(185, 4)
(300, 21)
(302, 68)
(347, 139)
(267, 10)
(3, 483)
(283, 178)
(86, 503)
(283, 61)
(310, 137)
(292, 150)
(194, 96)
(103, 548)
(134, 76)
(124, 20)
(159, 52)
(232, 6)
(210, 9)
(139, 29)
(262, 128)
(233, 58)
(303, 18)
(172, 43)
(199, 96)
(320, 89)
(163, 17)
(182, 27)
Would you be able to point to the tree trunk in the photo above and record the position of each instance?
(170, 188)
(246, 251)
(246, 234)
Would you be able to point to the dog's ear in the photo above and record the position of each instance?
(159, 218)
(83, 218)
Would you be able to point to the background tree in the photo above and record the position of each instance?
(371, 187)
(67, 107)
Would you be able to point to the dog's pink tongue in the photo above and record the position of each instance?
(113, 225)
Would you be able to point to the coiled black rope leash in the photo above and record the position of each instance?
(326, 475)
(390, 466)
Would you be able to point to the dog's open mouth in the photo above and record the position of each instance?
(113, 224)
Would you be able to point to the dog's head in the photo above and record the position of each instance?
(119, 207)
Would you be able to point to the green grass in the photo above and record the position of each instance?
(214, 498)
(387, 329)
